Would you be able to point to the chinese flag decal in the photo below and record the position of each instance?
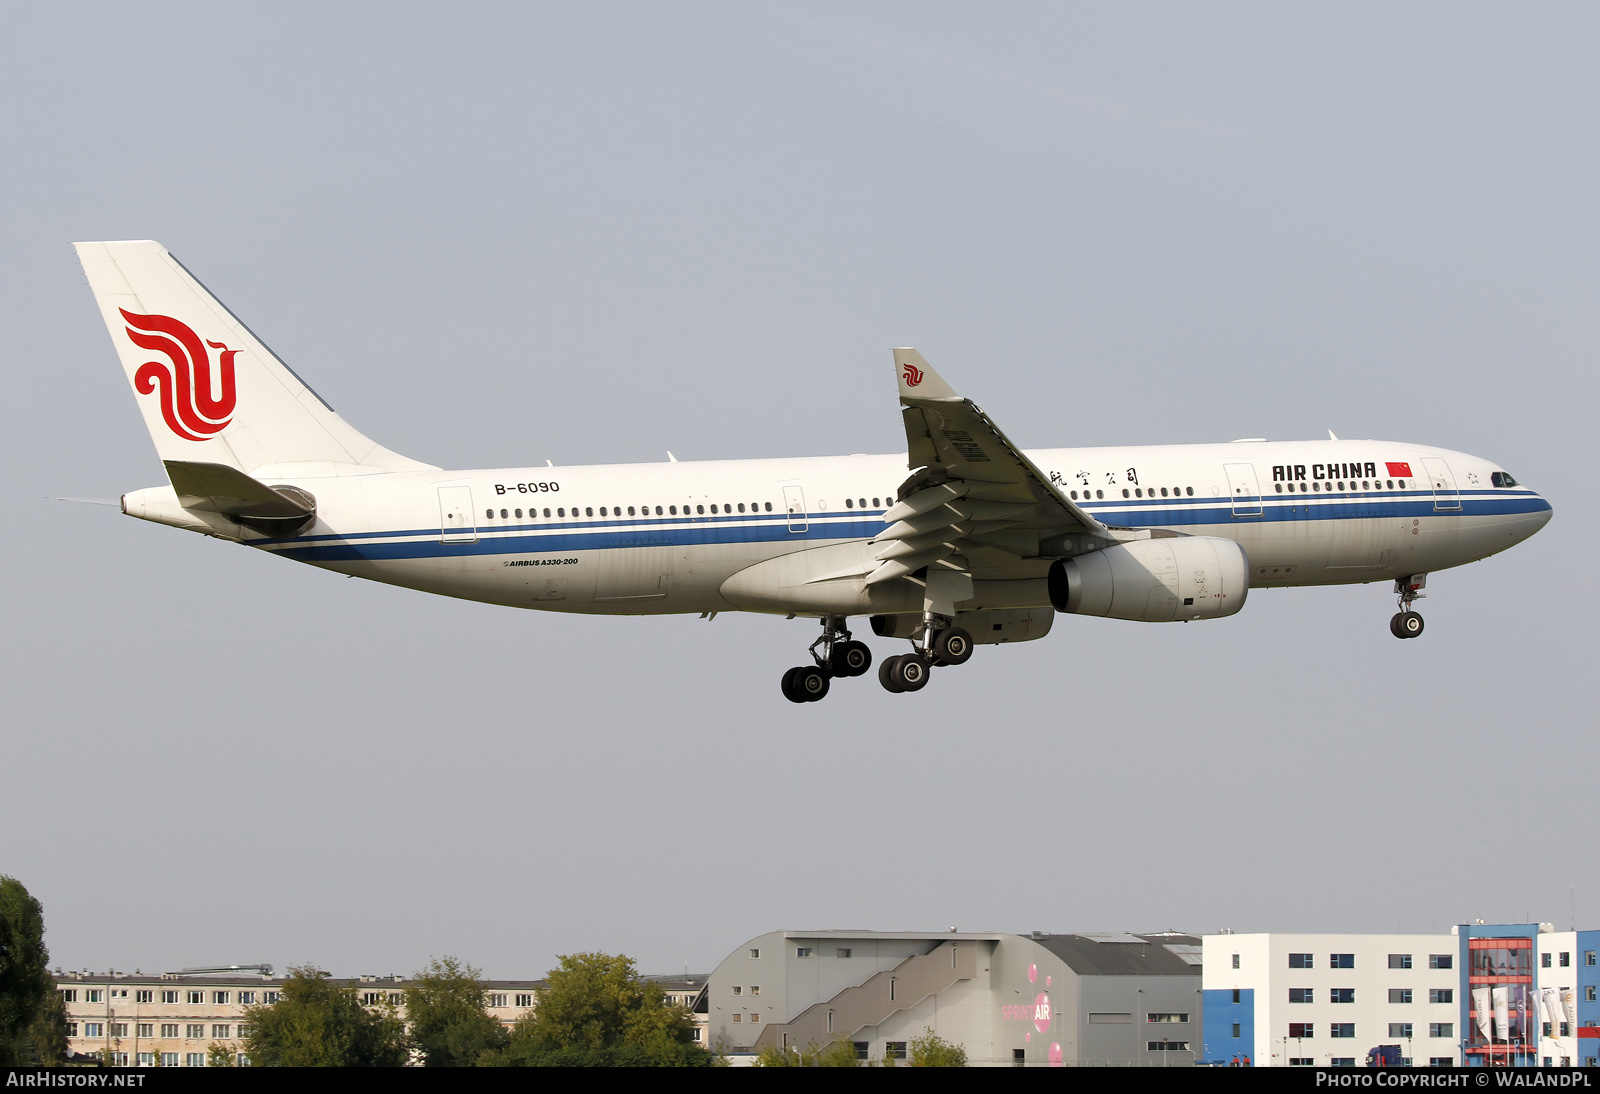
(1400, 470)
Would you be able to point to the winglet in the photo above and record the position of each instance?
(918, 380)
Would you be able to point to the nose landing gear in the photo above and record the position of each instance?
(835, 654)
(1407, 623)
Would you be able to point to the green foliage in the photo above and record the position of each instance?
(839, 1054)
(319, 1024)
(220, 1055)
(931, 1050)
(445, 1009)
(45, 1041)
(597, 1012)
(834, 1054)
(25, 982)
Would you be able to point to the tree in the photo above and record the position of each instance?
(597, 1011)
(45, 1041)
(316, 1023)
(931, 1050)
(220, 1055)
(26, 986)
(445, 1009)
(840, 1053)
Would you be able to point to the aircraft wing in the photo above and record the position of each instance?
(970, 486)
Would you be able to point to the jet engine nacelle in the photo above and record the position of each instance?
(1154, 580)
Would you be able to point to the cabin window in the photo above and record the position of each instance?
(588, 511)
(1317, 487)
(849, 503)
(769, 507)
(741, 507)
(701, 509)
(547, 514)
(658, 510)
(1189, 490)
(517, 513)
(488, 514)
(1163, 491)
(875, 503)
(1278, 486)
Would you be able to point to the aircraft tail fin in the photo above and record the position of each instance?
(210, 390)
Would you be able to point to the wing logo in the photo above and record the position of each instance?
(195, 402)
(913, 374)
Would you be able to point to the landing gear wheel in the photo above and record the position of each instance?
(811, 684)
(952, 646)
(889, 674)
(789, 691)
(912, 673)
(851, 659)
(1406, 625)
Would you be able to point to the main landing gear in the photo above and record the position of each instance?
(1407, 623)
(835, 654)
(909, 672)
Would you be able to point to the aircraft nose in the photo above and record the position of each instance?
(1536, 518)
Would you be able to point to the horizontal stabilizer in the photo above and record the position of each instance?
(218, 488)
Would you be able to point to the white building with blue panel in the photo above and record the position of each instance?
(1326, 1000)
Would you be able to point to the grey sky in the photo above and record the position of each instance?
(499, 234)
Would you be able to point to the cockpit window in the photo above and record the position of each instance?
(1501, 478)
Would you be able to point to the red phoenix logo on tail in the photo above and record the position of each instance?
(913, 374)
(192, 409)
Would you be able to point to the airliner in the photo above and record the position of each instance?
(963, 540)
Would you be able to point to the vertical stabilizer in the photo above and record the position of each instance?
(210, 391)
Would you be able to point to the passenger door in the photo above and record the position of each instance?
(1446, 498)
(456, 522)
(794, 501)
(1243, 487)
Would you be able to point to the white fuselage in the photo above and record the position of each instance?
(664, 537)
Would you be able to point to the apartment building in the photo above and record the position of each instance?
(175, 1019)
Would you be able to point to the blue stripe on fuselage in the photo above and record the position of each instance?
(596, 535)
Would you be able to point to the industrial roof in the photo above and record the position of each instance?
(1139, 955)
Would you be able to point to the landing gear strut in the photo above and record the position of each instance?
(941, 643)
(1407, 623)
(835, 654)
